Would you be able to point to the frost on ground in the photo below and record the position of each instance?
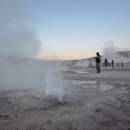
(91, 102)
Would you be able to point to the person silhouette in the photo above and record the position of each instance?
(112, 63)
(98, 61)
(105, 62)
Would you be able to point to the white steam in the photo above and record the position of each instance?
(54, 82)
(16, 32)
(17, 72)
(110, 51)
(18, 40)
(109, 48)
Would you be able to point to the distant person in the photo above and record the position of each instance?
(105, 62)
(122, 64)
(112, 63)
(98, 61)
(117, 64)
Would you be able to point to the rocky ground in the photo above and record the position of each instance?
(92, 101)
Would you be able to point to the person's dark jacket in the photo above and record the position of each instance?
(98, 59)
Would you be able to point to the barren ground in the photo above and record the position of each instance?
(92, 101)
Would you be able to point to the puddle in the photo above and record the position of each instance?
(120, 82)
(74, 72)
(81, 72)
(110, 98)
(85, 82)
(94, 84)
(122, 90)
(105, 87)
(103, 82)
(102, 87)
(91, 82)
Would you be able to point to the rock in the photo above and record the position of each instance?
(4, 116)
(97, 110)
(49, 122)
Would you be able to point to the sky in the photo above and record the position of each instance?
(64, 29)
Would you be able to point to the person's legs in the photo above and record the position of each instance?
(97, 67)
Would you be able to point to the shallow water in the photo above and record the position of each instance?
(106, 87)
(81, 72)
(85, 82)
(94, 84)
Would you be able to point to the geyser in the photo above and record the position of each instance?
(54, 83)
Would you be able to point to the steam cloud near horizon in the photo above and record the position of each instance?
(109, 47)
(108, 50)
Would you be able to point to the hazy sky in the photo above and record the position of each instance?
(67, 29)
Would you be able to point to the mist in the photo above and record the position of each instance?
(111, 52)
(109, 47)
(18, 43)
(17, 34)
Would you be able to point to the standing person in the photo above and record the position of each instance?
(112, 63)
(122, 64)
(98, 61)
(105, 62)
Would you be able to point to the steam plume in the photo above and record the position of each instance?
(16, 34)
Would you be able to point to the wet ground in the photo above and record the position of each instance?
(91, 102)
